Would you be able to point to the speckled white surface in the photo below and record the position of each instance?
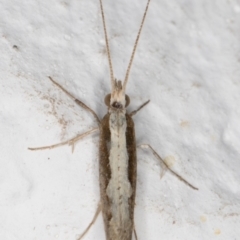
(187, 63)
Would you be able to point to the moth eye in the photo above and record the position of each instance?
(127, 99)
(107, 100)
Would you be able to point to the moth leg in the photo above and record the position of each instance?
(135, 233)
(92, 222)
(139, 108)
(80, 103)
(144, 146)
(70, 142)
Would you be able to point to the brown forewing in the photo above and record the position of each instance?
(105, 173)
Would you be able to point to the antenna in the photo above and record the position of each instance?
(107, 45)
(134, 48)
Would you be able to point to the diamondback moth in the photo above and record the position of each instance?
(117, 153)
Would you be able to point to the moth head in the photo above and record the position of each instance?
(117, 99)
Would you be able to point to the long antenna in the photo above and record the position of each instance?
(134, 48)
(107, 45)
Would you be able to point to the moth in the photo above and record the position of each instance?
(117, 153)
